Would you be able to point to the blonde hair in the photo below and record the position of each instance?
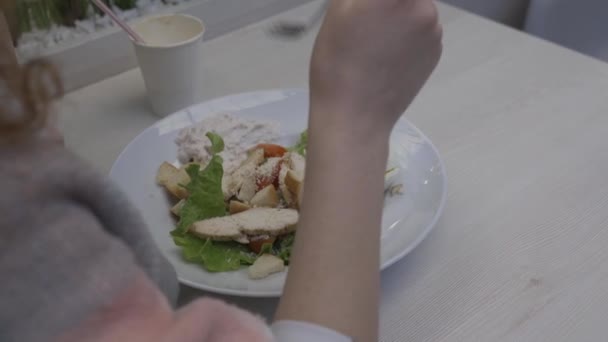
(26, 94)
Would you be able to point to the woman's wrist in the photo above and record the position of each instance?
(344, 129)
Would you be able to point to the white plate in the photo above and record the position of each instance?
(407, 219)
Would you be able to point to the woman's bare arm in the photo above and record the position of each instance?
(334, 274)
(361, 81)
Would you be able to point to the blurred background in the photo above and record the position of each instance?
(580, 25)
(40, 26)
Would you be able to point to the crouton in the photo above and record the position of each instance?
(177, 208)
(175, 184)
(296, 163)
(266, 197)
(236, 207)
(248, 188)
(245, 171)
(264, 266)
(285, 193)
(165, 172)
(295, 186)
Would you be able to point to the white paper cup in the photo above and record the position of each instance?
(169, 60)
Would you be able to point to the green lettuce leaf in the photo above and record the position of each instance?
(213, 255)
(301, 145)
(206, 199)
(284, 247)
(267, 248)
(226, 256)
(217, 143)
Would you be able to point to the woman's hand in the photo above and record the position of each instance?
(370, 60)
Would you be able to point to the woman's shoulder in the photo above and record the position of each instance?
(37, 176)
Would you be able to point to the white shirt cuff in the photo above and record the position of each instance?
(295, 331)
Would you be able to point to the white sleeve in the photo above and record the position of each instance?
(295, 331)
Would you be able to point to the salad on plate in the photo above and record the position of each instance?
(244, 218)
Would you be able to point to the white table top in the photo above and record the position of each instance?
(521, 253)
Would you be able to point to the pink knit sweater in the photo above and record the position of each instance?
(77, 263)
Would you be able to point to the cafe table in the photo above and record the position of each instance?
(521, 250)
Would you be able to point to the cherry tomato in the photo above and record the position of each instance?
(272, 150)
(257, 244)
(273, 179)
